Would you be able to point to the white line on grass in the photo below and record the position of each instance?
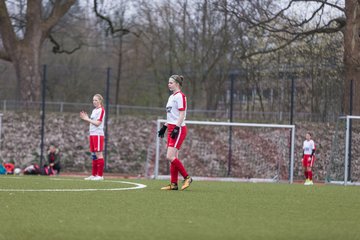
(137, 186)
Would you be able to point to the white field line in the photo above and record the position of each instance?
(137, 186)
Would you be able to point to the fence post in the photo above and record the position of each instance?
(43, 115)
(107, 114)
(0, 128)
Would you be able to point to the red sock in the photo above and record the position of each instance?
(180, 167)
(94, 167)
(310, 175)
(306, 174)
(100, 165)
(173, 173)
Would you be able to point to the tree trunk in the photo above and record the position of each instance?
(352, 56)
(27, 66)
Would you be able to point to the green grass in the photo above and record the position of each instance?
(207, 210)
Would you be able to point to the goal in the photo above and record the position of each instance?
(229, 151)
(344, 164)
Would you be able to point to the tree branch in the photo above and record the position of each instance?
(58, 11)
(326, 2)
(123, 31)
(7, 33)
(57, 48)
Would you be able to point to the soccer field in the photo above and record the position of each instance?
(70, 208)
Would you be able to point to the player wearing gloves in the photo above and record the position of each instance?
(175, 125)
(308, 158)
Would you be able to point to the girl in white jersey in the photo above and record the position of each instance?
(96, 138)
(175, 124)
(308, 158)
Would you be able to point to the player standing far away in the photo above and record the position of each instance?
(175, 124)
(96, 137)
(308, 158)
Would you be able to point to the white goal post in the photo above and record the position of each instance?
(347, 142)
(228, 124)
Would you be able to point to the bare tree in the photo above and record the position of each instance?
(279, 21)
(23, 49)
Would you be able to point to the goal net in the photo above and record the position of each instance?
(344, 162)
(229, 152)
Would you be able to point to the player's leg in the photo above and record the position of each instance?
(177, 145)
(309, 169)
(100, 166)
(309, 163)
(92, 141)
(100, 158)
(304, 164)
(170, 154)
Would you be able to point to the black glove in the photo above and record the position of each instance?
(161, 132)
(175, 132)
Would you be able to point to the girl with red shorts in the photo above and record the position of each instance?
(175, 124)
(308, 158)
(96, 138)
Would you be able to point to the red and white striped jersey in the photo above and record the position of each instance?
(99, 115)
(175, 104)
(308, 147)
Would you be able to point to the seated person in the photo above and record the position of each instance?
(9, 167)
(33, 169)
(54, 158)
(2, 169)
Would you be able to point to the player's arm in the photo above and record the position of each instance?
(84, 116)
(313, 150)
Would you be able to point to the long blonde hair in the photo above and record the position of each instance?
(101, 99)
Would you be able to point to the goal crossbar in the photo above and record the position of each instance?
(235, 124)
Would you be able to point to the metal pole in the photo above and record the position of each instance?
(43, 115)
(292, 154)
(291, 130)
(292, 100)
(350, 129)
(232, 78)
(107, 114)
(0, 128)
(346, 150)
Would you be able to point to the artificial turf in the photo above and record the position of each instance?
(207, 210)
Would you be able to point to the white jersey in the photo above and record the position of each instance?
(97, 114)
(308, 147)
(175, 104)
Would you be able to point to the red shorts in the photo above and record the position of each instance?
(308, 161)
(96, 143)
(176, 142)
